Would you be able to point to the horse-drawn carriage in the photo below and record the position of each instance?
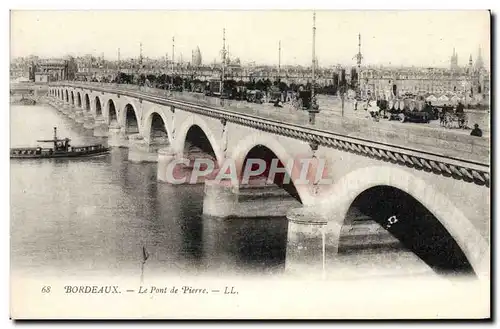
(302, 100)
(412, 110)
(255, 96)
(450, 117)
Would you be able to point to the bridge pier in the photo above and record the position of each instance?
(100, 127)
(165, 156)
(55, 105)
(142, 150)
(88, 121)
(312, 240)
(223, 199)
(220, 198)
(116, 136)
(79, 116)
(65, 109)
(71, 112)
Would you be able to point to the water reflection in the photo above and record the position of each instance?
(255, 244)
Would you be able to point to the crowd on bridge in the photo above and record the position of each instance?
(406, 108)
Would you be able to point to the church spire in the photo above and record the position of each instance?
(479, 60)
(454, 60)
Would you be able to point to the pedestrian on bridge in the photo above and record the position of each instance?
(476, 131)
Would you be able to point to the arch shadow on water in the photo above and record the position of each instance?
(415, 227)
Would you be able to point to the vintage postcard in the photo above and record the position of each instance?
(271, 164)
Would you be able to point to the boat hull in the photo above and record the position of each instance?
(36, 153)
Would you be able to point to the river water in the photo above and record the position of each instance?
(95, 216)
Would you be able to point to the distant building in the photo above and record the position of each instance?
(54, 70)
(42, 77)
(385, 81)
(196, 59)
(479, 65)
(396, 82)
(454, 61)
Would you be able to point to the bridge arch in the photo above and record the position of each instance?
(79, 100)
(437, 213)
(86, 103)
(182, 133)
(98, 107)
(154, 124)
(72, 98)
(130, 119)
(111, 114)
(66, 96)
(197, 145)
(258, 145)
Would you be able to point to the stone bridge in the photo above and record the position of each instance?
(428, 187)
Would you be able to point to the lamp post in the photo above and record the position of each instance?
(279, 60)
(342, 96)
(359, 58)
(166, 70)
(118, 78)
(313, 107)
(173, 57)
(223, 65)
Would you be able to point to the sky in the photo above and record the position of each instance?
(420, 38)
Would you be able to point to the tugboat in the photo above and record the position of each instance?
(61, 149)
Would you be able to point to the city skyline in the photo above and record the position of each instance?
(387, 37)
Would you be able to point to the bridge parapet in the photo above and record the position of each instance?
(443, 153)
